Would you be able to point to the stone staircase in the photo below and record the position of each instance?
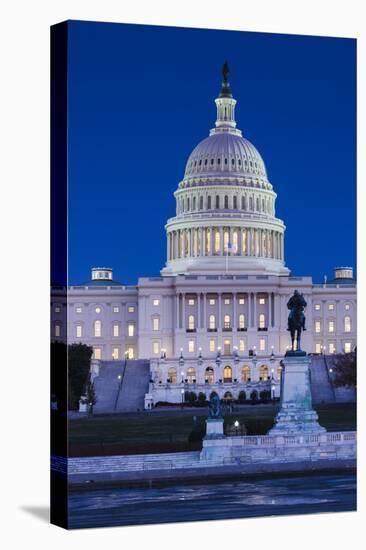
(124, 394)
(322, 390)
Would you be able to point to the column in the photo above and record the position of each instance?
(201, 252)
(270, 297)
(255, 320)
(221, 241)
(183, 311)
(235, 321)
(212, 241)
(249, 298)
(282, 247)
(177, 311)
(268, 244)
(204, 310)
(198, 310)
(219, 311)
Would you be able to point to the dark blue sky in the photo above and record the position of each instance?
(142, 97)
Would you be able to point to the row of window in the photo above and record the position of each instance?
(225, 375)
(347, 325)
(216, 203)
(116, 353)
(332, 348)
(97, 329)
(331, 307)
(227, 350)
(227, 301)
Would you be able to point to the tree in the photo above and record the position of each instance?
(242, 396)
(345, 370)
(254, 396)
(191, 397)
(201, 398)
(264, 396)
(79, 356)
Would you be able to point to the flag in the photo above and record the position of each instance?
(231, 247)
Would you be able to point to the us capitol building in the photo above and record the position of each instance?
(216, 318)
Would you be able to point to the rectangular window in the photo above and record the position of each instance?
(115, 329)
(79, 331)
(227, 301)
(57, 329)
(317, 307)
(97, 353)
(262, 344)
(191, 346)
(318, 347)
(331, 307)
(57, 309)
(212, 301)
(156, 302)
(115, 353)
(332, 347)
(131, 329)
(227, 347)
(346, 307)
(262, 301)
(241, 345)
(347, 347)
(241, 301)
(156, 323)
(131, 309)
(115, 309)
(79, 310)
(156, 348)
(262, 321)
(130, 353)
(317, 326)
(331, 326)
(191, 302)
(212, 345)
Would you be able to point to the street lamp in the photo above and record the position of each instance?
(236, 424)
(273, 392)
(182, 392)
(182, 375)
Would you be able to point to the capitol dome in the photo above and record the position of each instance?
(225, 206)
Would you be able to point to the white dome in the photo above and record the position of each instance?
(225, 153)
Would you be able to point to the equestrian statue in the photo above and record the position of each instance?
(296, 319)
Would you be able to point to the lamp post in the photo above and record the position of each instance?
(236, 424)
(182, 393)
(273, 392)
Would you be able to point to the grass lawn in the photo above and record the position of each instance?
(169, 430)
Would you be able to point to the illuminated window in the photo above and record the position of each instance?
(227, 301)
(191, 322)
(209, 375)
(156, 302)
(317, 326)
(130, 353)
(262, 320)
(318, 347)
(241, 301)
(241, 320)
(115, 353)
(279, 372)
(191, 375)
(347, 347)
(131, 329)
(227, 321)
(57, 309)
(245, 374)
(131, 309)
(346, 307)
(57, 329)
(191, 302)
(217, 241)
(97, 353)
(212, 301)
(228, 374)
(79, 310)
(79, 331)
(332, 347)
(331, 307)
(191, 346)
(262, 301)
(263, 373)
(262, 344)
(172, 375)
(97, 310)
(317, 307)
(347, 323)
(241, 344)
(97, 329)
(156, 348)
(212, 322)
(156, 323)
(115, 309)
(227, 347)
(115, 329)
(212, 345)
(330, 326)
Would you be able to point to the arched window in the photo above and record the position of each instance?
(235, 201)
(245, 374)
(209, 375)
(208, 241)
(227, 322)
(226, 240)
(228, 374)
(244, 249)
(250, 203)
(228, 396)
(172, 375)
(235, 247)
(194, 203)
(217, 201)
(347, 323)
(262, 320)
(217, 241)
(191, 375)
(241, 321)
(97, 328)
(188, 204)
(191, 322)
(263, 373)
(243, 202)
(257, 204)
(212, 322)
(226, 201)
(209, 202)
(201, 202)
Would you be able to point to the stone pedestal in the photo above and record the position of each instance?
(214, 428)
(296, 413)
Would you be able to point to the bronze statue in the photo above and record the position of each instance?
(225, 71)
(296, 318)
(215, 409)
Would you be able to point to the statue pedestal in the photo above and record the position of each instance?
(214, 428)
(296, 413)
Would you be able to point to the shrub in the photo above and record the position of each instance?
(242, 396)
(190, 397)
(264, 396)
(254, 396)
(201, 398)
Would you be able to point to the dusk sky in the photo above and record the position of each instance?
(141, 98)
